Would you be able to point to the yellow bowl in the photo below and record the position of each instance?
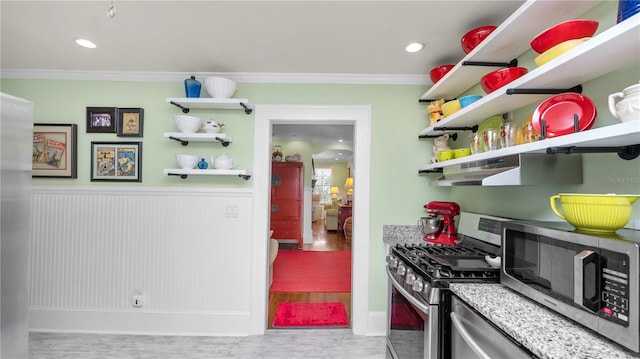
(445, 155)
(558, 50)
(594, 212)
(461, 152)
(450, 107)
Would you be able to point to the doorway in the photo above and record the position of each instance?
(323, 155)
(265, 117)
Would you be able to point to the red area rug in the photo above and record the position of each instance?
(312, 271)
(310, 315)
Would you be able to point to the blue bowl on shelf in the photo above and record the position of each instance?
(468, 100)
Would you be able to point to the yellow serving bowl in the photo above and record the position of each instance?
(594, 212)
(450, 107)
(461, 152)
(445, 155)
(558, 50)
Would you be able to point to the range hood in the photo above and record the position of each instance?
(514, 170)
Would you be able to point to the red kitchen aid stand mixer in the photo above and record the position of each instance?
(448, 235)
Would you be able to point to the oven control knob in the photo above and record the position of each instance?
(418, 285)
(392, 261)
(401, 269)
(410, 277)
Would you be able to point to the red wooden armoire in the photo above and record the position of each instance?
(287, 188)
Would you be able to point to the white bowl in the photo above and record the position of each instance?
(187, 162)
(187, 124)
(220, 87)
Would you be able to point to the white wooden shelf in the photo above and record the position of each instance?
(579, 65)
(183, 173)
(188, 103)
(508, 41)
(184, 138)
(622, 134)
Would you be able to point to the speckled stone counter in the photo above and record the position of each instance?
(544, 333)
(395, 234)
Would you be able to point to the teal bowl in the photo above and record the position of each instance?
(468, 100)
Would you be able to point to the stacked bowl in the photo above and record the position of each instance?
(474, 37)
(187, 124)
(220, 87)
(561, 38)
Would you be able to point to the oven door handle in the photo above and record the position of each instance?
(423, 308)
(467, 337)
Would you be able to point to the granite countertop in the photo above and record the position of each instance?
(545, 333)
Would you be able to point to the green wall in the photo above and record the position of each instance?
(397, 192)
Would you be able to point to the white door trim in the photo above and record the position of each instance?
(265, 116)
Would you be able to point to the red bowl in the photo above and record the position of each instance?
(474, 37)
(567, 30)
(496, 79)
(438, 72)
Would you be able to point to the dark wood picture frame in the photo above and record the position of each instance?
(102, 119)
(55, 153)
(116, 161)
(130, 122)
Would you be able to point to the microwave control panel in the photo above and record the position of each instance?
(615, 287)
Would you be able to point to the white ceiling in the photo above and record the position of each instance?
(303, 36)
(337, 136)
(323, 38)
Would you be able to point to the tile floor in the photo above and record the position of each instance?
(275, 344)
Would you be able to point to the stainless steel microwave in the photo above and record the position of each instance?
(589, 277)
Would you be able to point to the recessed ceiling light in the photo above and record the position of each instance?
(339, 153)
(414, 47)
(84, 43)
(340, 140)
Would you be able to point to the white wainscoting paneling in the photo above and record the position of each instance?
(94, 248)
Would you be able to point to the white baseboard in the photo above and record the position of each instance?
(143, 323)
(377, 324)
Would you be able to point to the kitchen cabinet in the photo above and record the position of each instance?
(581, 64)
(287, 186)
(184, 138)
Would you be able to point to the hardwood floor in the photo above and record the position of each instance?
(323, 240)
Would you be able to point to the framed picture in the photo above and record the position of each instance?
(116, 161)
(102, 119)
(54, 150)
(130, 122)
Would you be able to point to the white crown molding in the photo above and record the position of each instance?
(241, 77)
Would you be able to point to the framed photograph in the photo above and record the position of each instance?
(130, 122)
(116, 161)
(102, 119)
(54, 150)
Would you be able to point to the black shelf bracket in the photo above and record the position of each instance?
(182, 142)
(184, 109)
(625, 152)
(512, 63)
(576, 89)
(183, 176)
(224, 142)
(431, 100)
(473, 128)
(245, 177)
(246, 108)
(434, 170)
(453, 136)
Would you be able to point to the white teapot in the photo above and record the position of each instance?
(211, 126)
(628, 108)
(223, 162)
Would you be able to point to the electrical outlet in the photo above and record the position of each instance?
(138, 300)
(231, 211)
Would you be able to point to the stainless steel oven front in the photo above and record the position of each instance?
(412, 330)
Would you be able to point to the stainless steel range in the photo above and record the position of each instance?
(419, 277)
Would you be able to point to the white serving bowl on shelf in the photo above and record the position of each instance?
(220, 87)
(188, 124)
(187, 162)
